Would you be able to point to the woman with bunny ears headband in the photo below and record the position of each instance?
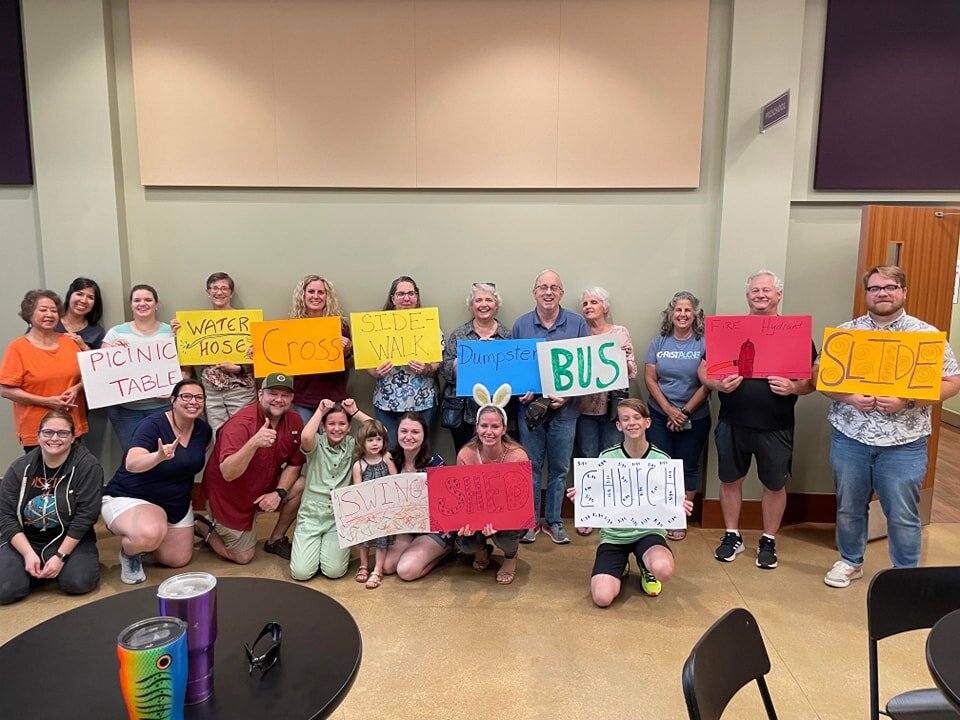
(491, 444)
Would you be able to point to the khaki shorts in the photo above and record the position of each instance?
(236, 541)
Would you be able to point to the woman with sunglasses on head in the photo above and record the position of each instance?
(40, 371)
(143, 328)
(484, 304)
(229, 387)
(314, 297)
(83, 309)
(405, 388)
(148, 502)
(49, 502)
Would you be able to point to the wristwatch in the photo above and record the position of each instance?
(685, 411)
(282, 493)
(63, 558)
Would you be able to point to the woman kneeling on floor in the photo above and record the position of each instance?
(329, 462)
(649, 546)
(491, 444)
(49, 501)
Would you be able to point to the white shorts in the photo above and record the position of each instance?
(114, 507)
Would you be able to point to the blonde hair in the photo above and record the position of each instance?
(299, 307)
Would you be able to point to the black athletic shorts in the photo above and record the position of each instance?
(772, 448)
(612, 558)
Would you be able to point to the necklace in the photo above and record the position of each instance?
(74, 327)
(49, 483)
(504, 455)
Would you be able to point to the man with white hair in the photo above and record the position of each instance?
(756, 419)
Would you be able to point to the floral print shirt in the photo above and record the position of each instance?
(403, 391)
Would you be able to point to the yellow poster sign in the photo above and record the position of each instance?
(396, 336)
(297, 347)
(882, 363)
(208, 337)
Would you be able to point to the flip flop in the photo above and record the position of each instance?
(584, 532)
(203, 520)
(505, 578)
(481, 565)
(676, 535)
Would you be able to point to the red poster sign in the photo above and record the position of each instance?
(758, 346)
(474, 495)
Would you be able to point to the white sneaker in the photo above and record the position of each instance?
(841, 574)
(131, 569)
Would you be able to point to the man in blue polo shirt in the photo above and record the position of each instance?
(554, 438)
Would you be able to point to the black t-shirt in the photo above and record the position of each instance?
(755, 405)
(41, 521)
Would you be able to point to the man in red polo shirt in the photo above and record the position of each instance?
(255, 465)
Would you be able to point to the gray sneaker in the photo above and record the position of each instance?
(556, 533)
(131, 569)
(530, 535)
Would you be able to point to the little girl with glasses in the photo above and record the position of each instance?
(372, 461)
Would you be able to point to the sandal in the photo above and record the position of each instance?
(373, 582)
(203, 520)
(482, 564)
(676, 535)
(584, 532)
(362, 574)
(505, 577)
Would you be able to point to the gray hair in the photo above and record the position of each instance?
(777, 282)
(666, 317)
(598, 292)
(483, 287)
(544, 272)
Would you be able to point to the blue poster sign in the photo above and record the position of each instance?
(494, 362)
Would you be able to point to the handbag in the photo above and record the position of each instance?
(614, 398)
(451, 412)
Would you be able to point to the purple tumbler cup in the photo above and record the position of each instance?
(192, 597)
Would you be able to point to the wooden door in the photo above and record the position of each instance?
(923, 241)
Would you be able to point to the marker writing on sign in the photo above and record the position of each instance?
(278, 352)
(561, 360)
(630, 486)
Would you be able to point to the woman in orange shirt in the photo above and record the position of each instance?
(40, 372)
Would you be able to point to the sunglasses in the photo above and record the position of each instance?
(271, 656)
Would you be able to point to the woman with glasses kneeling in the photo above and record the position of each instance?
(49, 501)
(148, 502)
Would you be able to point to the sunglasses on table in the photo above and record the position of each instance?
(269, 656)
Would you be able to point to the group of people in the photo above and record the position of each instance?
(286, 445)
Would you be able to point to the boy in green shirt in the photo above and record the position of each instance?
(648, 545)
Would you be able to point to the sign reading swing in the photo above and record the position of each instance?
(583, 366)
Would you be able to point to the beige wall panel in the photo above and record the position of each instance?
(345, 93)
(631, 92)
(204, 92)
(487, 74)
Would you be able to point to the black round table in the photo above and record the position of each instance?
(67, 666)
(943, 659)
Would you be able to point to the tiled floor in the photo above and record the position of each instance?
(455, 645)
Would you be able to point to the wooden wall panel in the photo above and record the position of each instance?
(624, 73)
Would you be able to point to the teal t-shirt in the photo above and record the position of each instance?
(628, 536)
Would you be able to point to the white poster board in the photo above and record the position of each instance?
(625, 493)
(121, 374)
(387, 506)
(583, 366)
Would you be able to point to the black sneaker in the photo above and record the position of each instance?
(730, 547)
(767, 553)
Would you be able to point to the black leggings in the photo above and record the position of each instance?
(80, 574)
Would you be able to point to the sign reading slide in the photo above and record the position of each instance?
(879, 362)
(624, 493)
(208, 337)
(494, 362)
(396, 336)
(582, 366)
(474, 495)
(297, 347)
(138, 371)
(386, 506)
(758, 346)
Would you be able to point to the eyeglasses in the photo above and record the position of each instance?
(62, 434)
(190, 397)
(218, 289)
(548, 288)
(265, 662)
(405, 293)
(874, 289)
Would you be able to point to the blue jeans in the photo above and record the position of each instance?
(125, 422)
(595, 434)
(895, 473)
(555, 441)
(391, 420)
(686, 445)
(304, 412)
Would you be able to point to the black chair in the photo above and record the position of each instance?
(728, 656)
(903, 599)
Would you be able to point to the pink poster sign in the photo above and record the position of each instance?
(758, 346)
(474, 495)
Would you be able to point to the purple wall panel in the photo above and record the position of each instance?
(890, 100)
(16, 167)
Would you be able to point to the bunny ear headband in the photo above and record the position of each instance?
(481, 396)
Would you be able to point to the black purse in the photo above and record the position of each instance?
(451, 412)
(614, 398)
